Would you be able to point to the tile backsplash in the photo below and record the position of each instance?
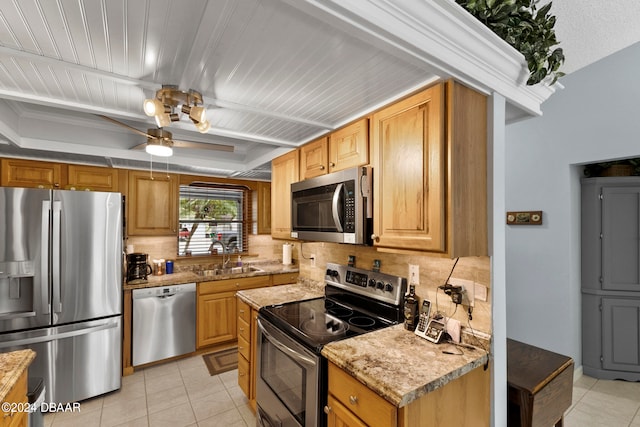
(433, 270)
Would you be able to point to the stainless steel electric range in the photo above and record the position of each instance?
(291, 372)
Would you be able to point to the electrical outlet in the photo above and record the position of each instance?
(313, 260)
(468, 290)
(414, 274)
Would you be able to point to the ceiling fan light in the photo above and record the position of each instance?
(159, 147)
(198, 113)
(163, 120)
(203, 127)
(152, 107)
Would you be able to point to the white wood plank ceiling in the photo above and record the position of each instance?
(274, 74)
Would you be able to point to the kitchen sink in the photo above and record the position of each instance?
(230, 270)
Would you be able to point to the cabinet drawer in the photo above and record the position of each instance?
(233, 284)
(18, 394)
(244, 379)
(244, 330)
(363, 402)
(244, 311)
(243, 348)
(284, 279)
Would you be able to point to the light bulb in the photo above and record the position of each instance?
(199, 114)
(203, 127)
(152, 107)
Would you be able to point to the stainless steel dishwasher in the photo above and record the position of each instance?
(164, 322)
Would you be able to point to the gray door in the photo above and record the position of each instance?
(87, 269)
(621, 238)
(621, 334)
(24, 253)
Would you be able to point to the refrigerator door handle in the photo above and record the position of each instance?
(55, 256)
(62, 335)
(44, 256)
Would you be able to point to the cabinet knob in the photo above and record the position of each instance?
(353, 400)
(242, 311)
(375, 237)
(331, 164)
(327, 409)
(241, 329)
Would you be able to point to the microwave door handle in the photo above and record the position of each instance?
(334, 206)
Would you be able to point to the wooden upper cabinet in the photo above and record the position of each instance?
(263, 191)
(31, 173)
(284, 172)
(430, 172)
(349, 146)
(152, 204)
(314, 158)
(345, 148)
(93, 178)
(408, 157)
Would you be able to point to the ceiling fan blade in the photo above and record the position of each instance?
(139, 146)
(124, 125)
(202, 145)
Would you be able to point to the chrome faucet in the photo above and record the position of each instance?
(226, 256)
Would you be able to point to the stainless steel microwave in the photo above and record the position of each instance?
(336, 207)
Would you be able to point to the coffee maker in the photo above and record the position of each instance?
(137, 268)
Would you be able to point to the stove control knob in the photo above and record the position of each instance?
(388, 287)
(372, 283)
(379, 285)
(332, 273)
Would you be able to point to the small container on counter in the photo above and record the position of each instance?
(158, 267)
(169, 266)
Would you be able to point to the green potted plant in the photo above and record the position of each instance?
(525, 27)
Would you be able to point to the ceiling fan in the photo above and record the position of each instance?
(160, 142)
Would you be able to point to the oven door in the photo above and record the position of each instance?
(287, 390)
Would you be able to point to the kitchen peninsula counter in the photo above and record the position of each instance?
(261, 297)
(12, 366)
(401, 366)
(267, 268)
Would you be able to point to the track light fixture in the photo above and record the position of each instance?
(164, 107)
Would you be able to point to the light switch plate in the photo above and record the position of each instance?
(414, 274)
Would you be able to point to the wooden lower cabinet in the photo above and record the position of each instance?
(247, 333)
(17, 394)
(463, 402)
(216, 308)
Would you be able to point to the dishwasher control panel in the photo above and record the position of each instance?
(161, 291)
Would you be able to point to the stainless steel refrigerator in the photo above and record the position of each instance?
(61, 287)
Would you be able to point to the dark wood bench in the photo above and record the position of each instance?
(540, 385)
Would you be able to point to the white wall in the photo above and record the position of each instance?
(596, 117)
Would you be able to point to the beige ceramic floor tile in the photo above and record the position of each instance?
(164, 399)
(211, 405)
(138, 422)
(77, 419)
(123, 411)
(160, 370)
(163, 382)
(231, 418)
(129, 392)
(178, 416)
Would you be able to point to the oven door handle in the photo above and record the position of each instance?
(264, 420)
(290, 352)
(334, 207)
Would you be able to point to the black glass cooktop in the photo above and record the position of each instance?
(319, 321)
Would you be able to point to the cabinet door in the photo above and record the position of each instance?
(93, 178)
(339, 416)
(314, 158)
(264, 207)
(152, 204)
(349, 146)
(32, 174)
(284, 172)
(620, 238)
(408, 164)
(216, 318)
(621, 334)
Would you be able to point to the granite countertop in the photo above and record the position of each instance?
(267, 267)
(260, 297)
(12, 365)
(399, 365)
